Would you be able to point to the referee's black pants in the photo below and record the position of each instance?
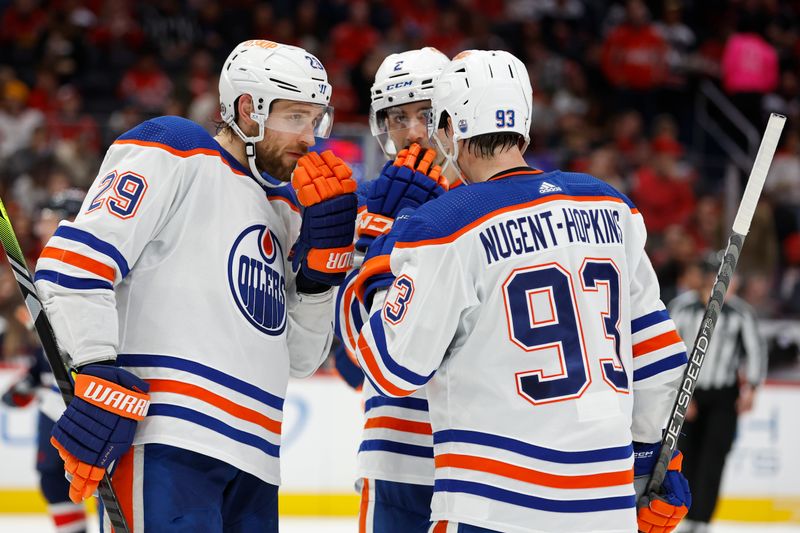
(705, 444)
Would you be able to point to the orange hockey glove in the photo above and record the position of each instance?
(98, 425)
(324, 251)
(405, 183)
(667, 508)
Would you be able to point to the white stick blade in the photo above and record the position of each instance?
(758, 175)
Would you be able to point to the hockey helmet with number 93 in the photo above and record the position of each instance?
(270, 71)
(401, 79)
(481, 91)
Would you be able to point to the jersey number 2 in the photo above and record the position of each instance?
(543, 315)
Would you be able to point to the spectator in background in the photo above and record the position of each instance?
(146, 85)
(786, 98)
(789, 287)
(23, 22)
(75, 136)
(782, 186)
(43, 92)
(17, 122)
(672, 259)
(734, 367)
(662, 188)
(354, 38)
(635, 60)
(749, 69)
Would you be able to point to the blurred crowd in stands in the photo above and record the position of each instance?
(615, 85)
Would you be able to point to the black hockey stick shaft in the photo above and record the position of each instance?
(48, 340)
(741, 226)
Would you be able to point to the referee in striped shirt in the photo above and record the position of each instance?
(734, 367)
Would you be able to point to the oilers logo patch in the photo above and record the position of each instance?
(256, 279)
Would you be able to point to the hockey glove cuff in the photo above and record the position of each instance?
(376, 272)
(661, 512)
(324, 250)
(98, 425)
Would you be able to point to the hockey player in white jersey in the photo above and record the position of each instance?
(549, 361)
(395, 457)
(188, 290)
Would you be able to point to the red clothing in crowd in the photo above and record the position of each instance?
(351, 42)
(661, 200)
(635, 57)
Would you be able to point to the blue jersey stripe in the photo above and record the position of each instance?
(376, 321)
(211, 374)
(612, 503)
(531, 450)
(417, 404)
(84, 237)
(72, 282)
(650, 319)
(383, 445)
(662, 365)
(201, 419)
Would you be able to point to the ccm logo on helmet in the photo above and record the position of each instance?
(398, 85)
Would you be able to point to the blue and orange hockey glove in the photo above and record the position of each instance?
(405, 183)
(376, 272)
(661, 512)
(324, 250)
(98, 425)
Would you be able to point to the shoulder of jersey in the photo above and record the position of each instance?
(462, 208)
(175, 134)
(183, 138)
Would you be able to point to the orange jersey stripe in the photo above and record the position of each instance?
(122, 481)
(377, 265)
(362, 515)
(530, 172)
(81, 261)
(239, 411)
(492, 466)
(347, 301)
(375, 371)
(390, 422)
(440, 527)
(276, 198)
(180, 153)
(539, 201)
(656, 343)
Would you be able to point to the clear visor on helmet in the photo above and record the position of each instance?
(399, 126)
(301, 118)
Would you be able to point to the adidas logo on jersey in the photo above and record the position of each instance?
(548, 187)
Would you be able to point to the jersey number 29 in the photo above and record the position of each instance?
(543, 314)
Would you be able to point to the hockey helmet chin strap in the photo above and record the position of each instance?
(250, 148)
(450, 159)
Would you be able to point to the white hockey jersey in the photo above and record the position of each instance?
(530, 312)
(177, 266)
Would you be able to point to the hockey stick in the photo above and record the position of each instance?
(45, 331)
(741, 225)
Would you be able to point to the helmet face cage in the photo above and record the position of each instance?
(481, 92)
(402, 79)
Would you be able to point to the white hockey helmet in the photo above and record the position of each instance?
(270, 71)
(401, 79)
(482, 91)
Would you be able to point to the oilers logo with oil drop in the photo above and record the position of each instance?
(256, 278)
